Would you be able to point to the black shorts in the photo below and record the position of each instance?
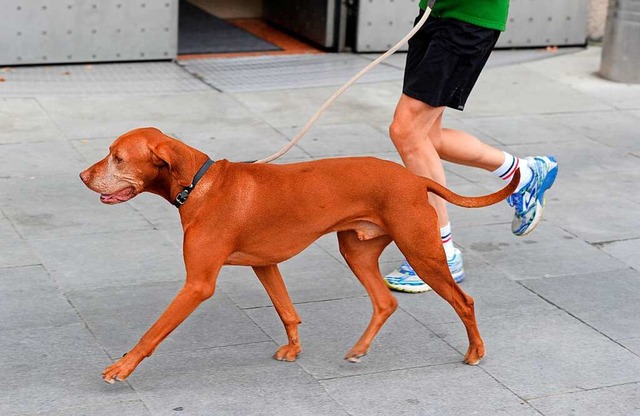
(444, 61)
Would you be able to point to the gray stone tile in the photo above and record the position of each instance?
(607, 301)
(494, 293)
(615, 401)
(238, 380)
(110, 259)
(42, 158)
(518, 90)
(615, 129)
(452, 389)
(311, 276)
(632, 344)
(353, 139)
(329, 329)
(124, 408)
(625, 251)
(119, 316)
(242, 143)
(30, 299)
(23, 120)
(60, 205)
(292, 108)
(615, 220)
(16, 252)
(525, 129)
(547, 353)
(54, 369)
(86, 117)
(549, 251)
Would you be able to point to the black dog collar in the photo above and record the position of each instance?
(182, 196)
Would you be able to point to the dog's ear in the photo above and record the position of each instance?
(178, 158)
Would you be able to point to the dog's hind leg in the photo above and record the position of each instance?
(419, 240)
(362, 258)
(271, 279)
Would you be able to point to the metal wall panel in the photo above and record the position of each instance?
(382, 23)
(312, 19)
(45, 31)
(546, 22)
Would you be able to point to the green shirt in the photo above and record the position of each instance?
(491, 14)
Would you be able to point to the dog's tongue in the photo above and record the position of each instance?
(120, 196)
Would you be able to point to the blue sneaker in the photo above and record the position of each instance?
(529, 202)
(406, 280)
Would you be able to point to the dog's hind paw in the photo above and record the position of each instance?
(474, 355)
(287, 353)
(354, 356)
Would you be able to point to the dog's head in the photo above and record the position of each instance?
(141, 160)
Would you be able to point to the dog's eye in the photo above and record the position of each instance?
(117, 159)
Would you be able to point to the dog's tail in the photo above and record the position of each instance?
(474, 201)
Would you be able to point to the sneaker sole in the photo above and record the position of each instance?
(408, 288)
(546, 185)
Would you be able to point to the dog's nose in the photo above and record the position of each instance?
(84, 176)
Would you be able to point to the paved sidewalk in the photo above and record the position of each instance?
(80, 282)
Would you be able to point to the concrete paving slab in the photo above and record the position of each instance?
(549, 251)
(626, 251)
(547, 353)
(86, 262)
(451, 389)
(53, 369)
(26, 160)
(242, 143)
(353, 139)
(534, 129)
(615, 220)
(16, 252)
(119, 316)
(494, 293)
(581, 72)
(311, 276)
(60, 205)
(615, 401)
(329, 329)
(615, 129)
(87, 117)
(32, 300)
(606, 301)
(632, 344)
(518, 90)
(23, 120)
(292, 108)
(237, 380)
(124, 408)
(104, 79)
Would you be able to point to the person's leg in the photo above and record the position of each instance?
(414, 122)
(415, 127)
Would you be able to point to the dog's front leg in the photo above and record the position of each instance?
(200, 285)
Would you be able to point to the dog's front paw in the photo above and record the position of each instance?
(121, 369)
(474, 354)
(287, 352)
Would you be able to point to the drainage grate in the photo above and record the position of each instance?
(284, 72)
(99, 79)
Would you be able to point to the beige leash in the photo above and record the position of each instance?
(346, 86)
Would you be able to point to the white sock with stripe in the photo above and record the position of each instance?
(509, 167)
(447, 241)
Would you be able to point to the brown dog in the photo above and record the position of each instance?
(259, 215)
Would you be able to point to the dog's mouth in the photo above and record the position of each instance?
(118, 197)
